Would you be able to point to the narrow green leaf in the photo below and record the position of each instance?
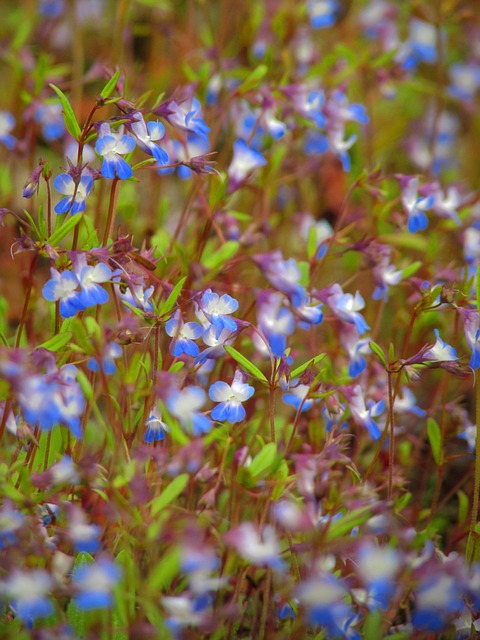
(171, 491)
(299, 370)
(377, 350)
(71, 123)
(262, 464)
(411, 269)
(33, 224)
(57, 342)
(172, 298)
(161, 576)
(64, 229)
(245, 363)
(435, 437)
(312, 242)
(345, 524)
(216, 259)
(110, 86)
(253, 79)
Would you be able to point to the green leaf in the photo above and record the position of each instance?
(161, 576)
(168, 495)
(377, 350)
(435, 437)
(344, 525)
(253, 79)
(71, 123)
(57, 342)
(172, 298)
(312, 242)
(64, 229)
(110, 86)
(299, 370)
(216, 259)
(263, 462)
(245, 363)
(411, 269)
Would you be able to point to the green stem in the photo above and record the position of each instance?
(391, 461)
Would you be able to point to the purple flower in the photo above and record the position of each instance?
(230, 398)
(111, 146)
(183, 334)
(76, 194)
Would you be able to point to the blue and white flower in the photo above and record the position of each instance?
(185, 405)
(76, 194)
(112, 145)
(230, 398)
(183, 334)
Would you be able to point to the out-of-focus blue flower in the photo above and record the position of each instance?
(183, 334)
(147, 135)
(275, 321)
(471, 327)
(28, 591)
(405, 403)
(94, 582)
(111, 145)
(356, 348)
(422, 41)
(438, 599)
(10, 522)
(185, 405)
(322, 13)
(296, 396)
(49, 117)
(244, 161)
(186, 115)
(111, 351)
(378, 567)
(259, 549)
(346, 307)
(215, 345)
(324, 598)
(7, 123)
(51, 8)
(76, 194)
(156, 428)
(465, 81)
(84, 536)
(362, 415)
(283, 274)
(217, 310)
(415, 206)
(230, 398)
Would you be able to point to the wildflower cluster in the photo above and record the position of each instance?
(239, 320)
